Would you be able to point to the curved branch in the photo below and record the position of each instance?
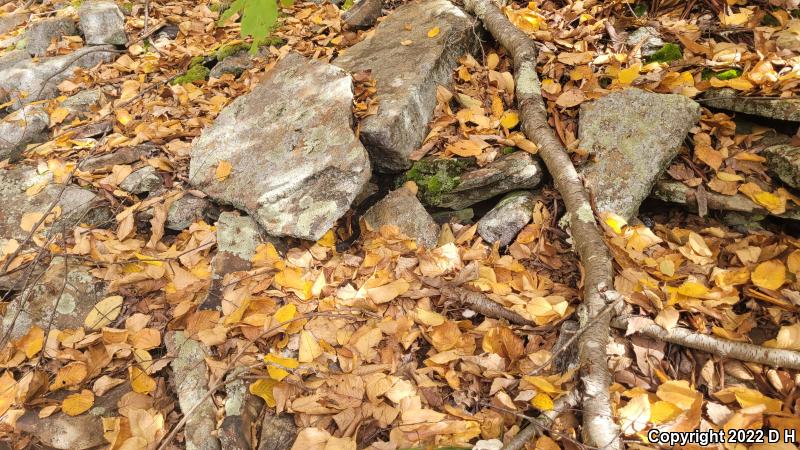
(599, 428)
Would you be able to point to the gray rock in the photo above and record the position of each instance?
(632, 136)
(402, 209)
(75, 204)
(278, 432)
(190, 378)
(237, 240)
(449, 184)
(407, 75)
(13, 57)
(296, 163)
(102, 23)
(773, 108)
(120, 156)
(504, 221)
(242, 409)
(784, 161)
(234, 64)
(649, 37)
(82, 432)
(363, 14)
(462, 216)
(82, 104)
(9, 22)
(63, 296)
(41, 34)
(788, 39)
(20, 128)
(39, 79)
(185, 211)
(143, 180)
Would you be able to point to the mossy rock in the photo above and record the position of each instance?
(197, 72)
(229, 50)
(436, 177)
(668, 53)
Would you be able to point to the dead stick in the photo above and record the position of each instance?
(599, 428)
(742, 351)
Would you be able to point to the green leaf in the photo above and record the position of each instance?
(258, 18)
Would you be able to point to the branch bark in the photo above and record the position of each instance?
(741, 351)
(599, 428)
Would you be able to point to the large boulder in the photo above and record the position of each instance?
(363, 14)
(296, 164)
(20, 128)
(13, 58)
(32, 80)
(784, 161)
(9, 22)
(402, 209)
(407, 65)
(40, 34)
(631, 135)
(457, 184)
(772, 108)
(102, 23)
(507, 218)
(60, 299)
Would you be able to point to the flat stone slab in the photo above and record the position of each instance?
(40, 34)
(407, 65)
(402, 209)
(507, 218)
(63, 296)
(784, 161)
(773, 108)
(20, 128)
(631, 135)
(296, 164)
(455, 184)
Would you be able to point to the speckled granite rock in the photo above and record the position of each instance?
(632, 136)
(20, 128)
(143, 180)
(102, 22)
(784, 161)
(296, 163)
(507, 218)
(402, 209)
(363, 14)
(40, 34)
(407, 75)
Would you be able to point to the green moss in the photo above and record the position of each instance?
(127, 8)
(509, 150)
(436, 177)
(669, 52)
(76, 3)
(640, 9)
(770, 21)
(196, 72)
(229, 50)
(21, 44)
(724, 75)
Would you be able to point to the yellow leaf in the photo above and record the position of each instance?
(29, 220)
(614, 221)
(309, 347)
(542, 384)
(388, 292)
(635, 415)
(542, 402)
(668, 318)
(286, 313)
(492, 60)
(429, 318)
(32, 342)
(793, 262)
(510, 119)
(263, 389)
(663, 412)
(768, 200)
(693, 289)
(223, 170)
(328, 240)
(678, 393)
(274, 364)
(77, 404)
(769, 275)
(465, 148)
(69, 375)
(8, 391)
(103, 313)
(433, 32)
(789, 337)
(627, 76)
(141, 382)
(123, 117)
(58, 115)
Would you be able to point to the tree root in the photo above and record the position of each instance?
(599, 428)
(543, 422)
(742, 351)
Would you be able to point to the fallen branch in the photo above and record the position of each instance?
(742, 351)
(599, 428)
(543, 422)
(482, 304)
